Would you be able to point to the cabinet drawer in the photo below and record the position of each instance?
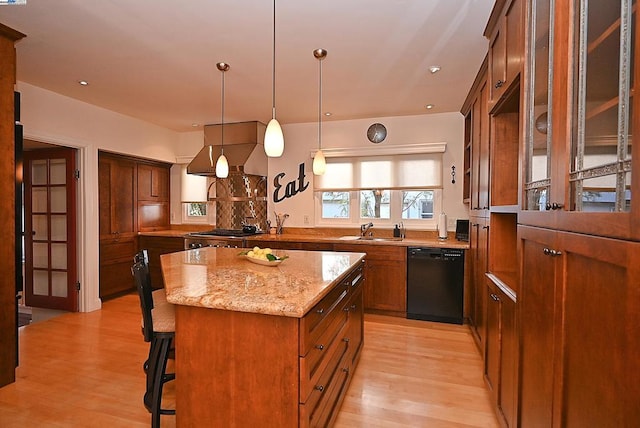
(324, 396)
(332, 340)
(320, 316)
(117, 251)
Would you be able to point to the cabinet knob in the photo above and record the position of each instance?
(320, 347)
(553, 206)
(345, 369)
(499, 84)
(319, 388)
(495, 297)
(320, 311)
(551, 252)
(345, 340)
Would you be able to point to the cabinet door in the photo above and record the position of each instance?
(480, 249)
(537, 300)
(601, 346)
(492, 340)
(385, 286)
(117, 197)
(498, 63)
(505, 51)
(153, 182)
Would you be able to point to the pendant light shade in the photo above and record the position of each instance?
(222, 165)
(273, 137)
(319, 162)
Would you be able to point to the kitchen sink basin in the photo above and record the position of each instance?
(368, 238)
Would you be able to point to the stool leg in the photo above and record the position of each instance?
(156, 378)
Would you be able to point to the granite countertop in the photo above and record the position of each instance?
(424, 241)
(219, 278)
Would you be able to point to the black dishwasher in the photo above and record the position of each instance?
(435, 283)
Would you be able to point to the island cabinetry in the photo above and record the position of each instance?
(253, 369)
(501, 350)
(385, 287)
(506, 48)
(330, 343)
(579, 311)
(155, 246)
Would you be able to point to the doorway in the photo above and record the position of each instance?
(50, 238)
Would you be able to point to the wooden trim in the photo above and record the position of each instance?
(480, 80)
(10, 33)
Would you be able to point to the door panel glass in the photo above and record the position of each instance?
(41, 282)
(59, 227)
(538, 149)
(59, 284)
(39, 200)
(58, 256)
(39, 172)
(58, 199)
(601, 141)
(40, 227)
(58, 171)
(40, 255)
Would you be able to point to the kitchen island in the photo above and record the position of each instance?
(264, 345)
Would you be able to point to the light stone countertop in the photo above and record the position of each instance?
(219, 278)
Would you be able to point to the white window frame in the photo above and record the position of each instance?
(395, 202)
(190, 219)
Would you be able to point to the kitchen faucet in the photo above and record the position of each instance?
(364, 228)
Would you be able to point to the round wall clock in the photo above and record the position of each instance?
(377, 133)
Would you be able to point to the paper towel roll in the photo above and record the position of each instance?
(442, 226)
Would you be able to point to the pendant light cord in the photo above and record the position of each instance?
(222, 116)
(320, 109)
(273, 86)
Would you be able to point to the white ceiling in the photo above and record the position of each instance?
(155, 59)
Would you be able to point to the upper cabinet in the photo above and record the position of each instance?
(505, 49)
(581, 83)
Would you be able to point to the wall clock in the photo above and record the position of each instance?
(377, 133)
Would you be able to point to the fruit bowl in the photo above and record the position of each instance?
(262, 256)
(263, 262)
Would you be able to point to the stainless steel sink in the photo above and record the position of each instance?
(369, 238)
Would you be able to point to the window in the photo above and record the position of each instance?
(194, 197)
(388, 189)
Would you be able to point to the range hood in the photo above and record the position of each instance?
(243, 147)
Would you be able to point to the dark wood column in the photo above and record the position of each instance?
(8, 332)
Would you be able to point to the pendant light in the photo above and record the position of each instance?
(222, 166)
(319, 163)
(273, 138)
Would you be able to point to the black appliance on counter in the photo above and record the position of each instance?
(435, 284)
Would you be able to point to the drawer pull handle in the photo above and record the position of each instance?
(320, 347)
(550, 252)
(345, 369)
(320, 311)
(353, 307)
(319, 388)
(346, 340)
(346, 309)
(499, 84)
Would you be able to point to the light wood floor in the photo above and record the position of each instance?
(85, 369)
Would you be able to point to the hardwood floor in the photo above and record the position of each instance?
(85, 369)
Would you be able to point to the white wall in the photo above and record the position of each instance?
(301, 139)
(52, 118)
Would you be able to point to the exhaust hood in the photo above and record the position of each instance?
(243, 147)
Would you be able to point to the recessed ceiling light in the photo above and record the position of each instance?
(195, 125)
(434, 69)
(429, 106)
(83, 82)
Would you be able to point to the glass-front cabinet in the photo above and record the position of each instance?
(579, 122)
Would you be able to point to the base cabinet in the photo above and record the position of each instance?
(501, 351)
(156, 246)
(580, 308)
(385, 289)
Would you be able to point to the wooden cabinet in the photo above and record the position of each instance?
(155, 246)
(385, 289)
(8, 319)
(117, 223)
(478, 252)
(477, 134)
(578, 302)
(578, 166)
(295, 372)
(501, 351)
(133, 197)
(506, 48)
